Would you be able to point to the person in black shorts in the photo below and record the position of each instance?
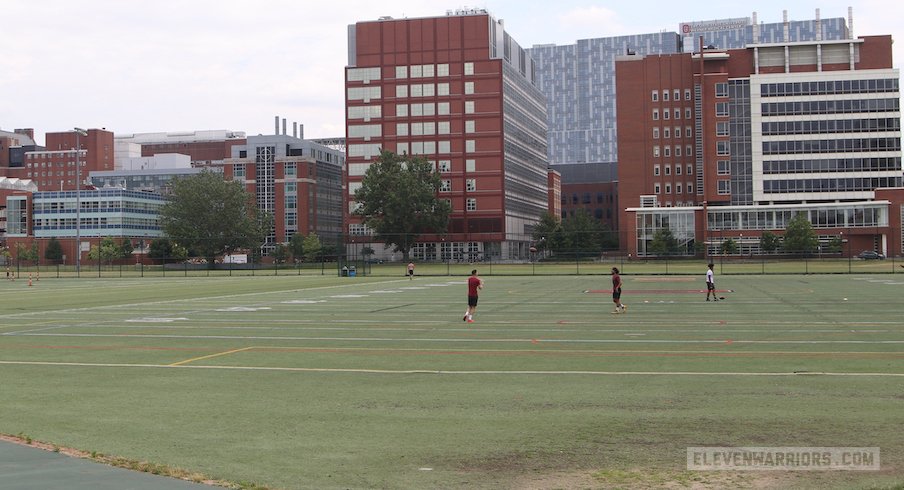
(616, 292)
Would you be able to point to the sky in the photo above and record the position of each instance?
(167, 66)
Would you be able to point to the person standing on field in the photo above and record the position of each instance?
(475, 284)
(410, 270)
(710, 284)
(616, 292)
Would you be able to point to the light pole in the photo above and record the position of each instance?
(79, 132)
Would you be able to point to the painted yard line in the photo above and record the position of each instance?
(470, 340)
(218, 354)
(430, 371)
(191, 300)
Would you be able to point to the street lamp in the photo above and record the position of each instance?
(79, 132)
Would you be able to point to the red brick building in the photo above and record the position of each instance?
(732, 143)
(459, 91)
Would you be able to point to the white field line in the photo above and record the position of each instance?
(445, 372)
(444, 340)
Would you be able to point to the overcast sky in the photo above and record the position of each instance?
(167, 65)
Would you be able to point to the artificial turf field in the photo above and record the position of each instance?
(326, 382)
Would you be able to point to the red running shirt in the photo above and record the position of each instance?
(473, 282)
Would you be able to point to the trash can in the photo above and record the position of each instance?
(344, 271)
(352, 272)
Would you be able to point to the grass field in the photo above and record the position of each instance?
(375, 382)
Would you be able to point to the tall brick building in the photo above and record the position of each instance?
(461, 92)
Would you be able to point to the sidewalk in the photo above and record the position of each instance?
(29, 468)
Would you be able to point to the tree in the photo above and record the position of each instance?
(212, 216)
(54, 250)
(107, 251)
(546, 232)
(729, 246)
(398, 200)
(770, 242)
(834, 245)
(280, 253)
(312, 247)
(581, 234)
(164, 249)
(27, 253)
(296, 246)
(126, 248)
(799, 235)
(664, 242)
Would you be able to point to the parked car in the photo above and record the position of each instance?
(870, 255)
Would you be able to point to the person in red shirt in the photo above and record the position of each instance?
(474, 284)
(616, 292)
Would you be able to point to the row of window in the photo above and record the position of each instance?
(831, 146)
(59, 173)
(666, 151)
(830, 107)
(689, 188)
(40, 155)
(778, 219)
(668, 169)
(829, 87)
(71, 163)
(600, 198)
(411, 71)
(832, 165)
(446, 185)
(832, 126)
(830, 185)
(668, 133)
(667, 114)
(676, 95)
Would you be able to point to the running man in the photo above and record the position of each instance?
(710, 284)
(410, 270)
(616, 293)
(474, 284)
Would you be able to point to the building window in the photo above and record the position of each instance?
(724, 187)
(472, 204)
(677, 169)
(442, 70)
(445, 186)
(677, 188)
(677, 114)
(666, 114)
(470, 165)
(677, 95)
(722, 148)
(656, 189)
(444, 166)
(690, 169)
(677, 151)
(668, 188)
(401, 72)
(656, 151)
(471, 185)
(444, 147)
(469, 126)
(688, 151)
(721, 129)
(443, 127)
(469, 107)
(238, 172)
(688, 132)
(666, 133)
(442, 108)
(722, 89)
(677, 132)
(655, 95)
(401, 110)
(655, 133)
(401, 91)
(690, 187)
(723, 167)
(722, 109)
(656, 170)
(668, 170)
(687, 94)
(665, 95)
(442, 89)
(667, 151)
(469, 88)
(469, 68)
(687, 113)
(402, 129)
(470, 146)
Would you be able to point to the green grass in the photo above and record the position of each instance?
(375, 382)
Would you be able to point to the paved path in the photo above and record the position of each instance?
(29, 468)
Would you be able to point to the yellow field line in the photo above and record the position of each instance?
(218, 354)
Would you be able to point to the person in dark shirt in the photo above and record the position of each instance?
(474, 285)
(616, 292)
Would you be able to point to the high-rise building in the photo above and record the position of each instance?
(578, 80)
(53, 167)
(459, 91)
(731, 143)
